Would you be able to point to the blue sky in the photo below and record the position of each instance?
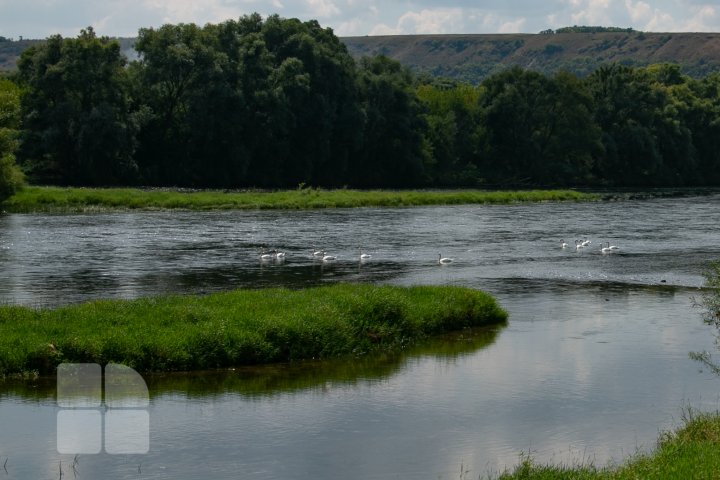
(41, 18)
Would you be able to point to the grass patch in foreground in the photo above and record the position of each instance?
(691, 452)
(240, 327)
(57, 199)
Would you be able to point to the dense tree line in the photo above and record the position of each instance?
(11, 178)
(278, 102)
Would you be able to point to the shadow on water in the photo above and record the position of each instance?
(268, 380)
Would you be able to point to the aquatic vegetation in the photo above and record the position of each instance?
(240, 327)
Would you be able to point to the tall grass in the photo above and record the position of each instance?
(56, 199)
(241, 327)
(691, 452)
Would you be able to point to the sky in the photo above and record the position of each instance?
(123, 18)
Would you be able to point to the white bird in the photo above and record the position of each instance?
(279, 255)
(578, 245)
(319, 253)
(365, 256)
(328, 258)
(605, 249)
(444, 260)
(586, 242)
(613, 247)
(563, 244)
(266, 256)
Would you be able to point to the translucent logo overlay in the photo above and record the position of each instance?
(85, 423)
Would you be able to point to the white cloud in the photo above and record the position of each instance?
(439, 20)
(382, 29)
(639, 12)
(592, 12)
(704, 20)
(322, 8)
(349, 29)
(512, 27)
(191, 11)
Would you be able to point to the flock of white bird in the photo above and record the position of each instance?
(323, 256)
(582, 244)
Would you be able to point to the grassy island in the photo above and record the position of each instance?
(58, 199)
(240, 327)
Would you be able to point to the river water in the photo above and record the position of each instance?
(592, 365)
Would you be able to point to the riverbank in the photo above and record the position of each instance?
(693, 451)
(57, 199)
(241, 327)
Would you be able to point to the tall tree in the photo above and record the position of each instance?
(539, 130)
(392, 153)
(78, 128)
(454, 133)
(11, 178)
(627, 109)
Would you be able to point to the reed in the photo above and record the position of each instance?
(240, 327)
(57, 199)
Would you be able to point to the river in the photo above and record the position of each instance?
(592, 365)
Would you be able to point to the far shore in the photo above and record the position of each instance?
(36, 199)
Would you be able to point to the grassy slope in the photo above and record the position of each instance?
(56, 199)
(236, 328)
(472, 57)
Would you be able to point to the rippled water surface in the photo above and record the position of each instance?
(593, 363)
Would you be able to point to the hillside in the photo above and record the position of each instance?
(472, 57)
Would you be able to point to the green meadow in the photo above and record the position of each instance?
(59, 199)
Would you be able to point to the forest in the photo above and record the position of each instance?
(276, 103)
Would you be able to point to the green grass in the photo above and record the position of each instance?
(692, 452)
(57, 199)
(241, 327)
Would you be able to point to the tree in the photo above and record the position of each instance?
(454, 133)
(246, 102)
(392, 153)
(77, 125)
(11, 178)
(627, 108)
(539, 130)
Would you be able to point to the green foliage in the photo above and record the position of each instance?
(237, 328)
(77, 125)
(539, 129)
(391, 153)
(265, 103)
(11, 178)
(591, 29)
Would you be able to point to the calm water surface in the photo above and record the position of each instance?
(592, 365)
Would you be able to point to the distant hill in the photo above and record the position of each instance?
(473, 57)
